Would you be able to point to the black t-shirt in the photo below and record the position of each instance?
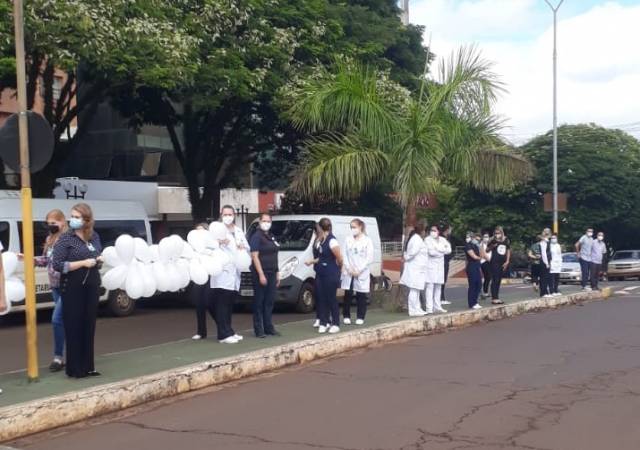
(499, 250)
(476, 251)
(267, 247)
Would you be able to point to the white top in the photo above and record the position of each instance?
(556, 258)
(416, 258)
(436, 248)
(229, 278)
(483, 246)
(358, 255)
(543, 252)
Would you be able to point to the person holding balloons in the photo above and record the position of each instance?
(226, 284)
(76, 255)
(200, 298)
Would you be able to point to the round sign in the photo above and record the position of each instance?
(40, 142)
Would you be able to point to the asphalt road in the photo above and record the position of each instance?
(563, 379)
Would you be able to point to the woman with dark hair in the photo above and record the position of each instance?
(500, 248)
(327, 266)
(76, 255)
(414, 273)
(266, 276)
(356, 276)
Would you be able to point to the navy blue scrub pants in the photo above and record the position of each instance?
(545, 280)
(585, 270)
(263, 300)
(474, 276)
(327, 302)
(361, 300)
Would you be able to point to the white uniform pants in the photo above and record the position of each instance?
(415, 308)
(432, 294)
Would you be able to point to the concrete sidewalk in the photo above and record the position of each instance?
(141, 375)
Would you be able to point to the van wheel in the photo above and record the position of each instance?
(306, 300)
(120, 304)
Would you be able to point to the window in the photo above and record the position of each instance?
(569, 258)
(292, 235)
(109, 230)
(40, 233)
(626, 255)
(4, 235)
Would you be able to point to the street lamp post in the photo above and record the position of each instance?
(555, 113)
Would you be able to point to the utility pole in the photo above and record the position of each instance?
(555, 113)
(27, 213)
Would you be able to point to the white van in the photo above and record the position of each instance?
(112, 219)
(295, 234)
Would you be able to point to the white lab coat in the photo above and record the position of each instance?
(414, 274)
(229, 278)
(436, 248)
(358, 256)
(556, 258)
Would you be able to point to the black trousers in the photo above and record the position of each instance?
(545, 280)
(222, 301)
(496, 280)
(535, 273)
(446, 277)
(554, 282)
(264, 298)
(327, 303)
(594, 270)
(200, 298)
(486, 276)
(361, 301)
(79, 311)
(474, 277)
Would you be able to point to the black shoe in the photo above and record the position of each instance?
(94, 373)
(261, 336)
(56, 366)
(274, 333)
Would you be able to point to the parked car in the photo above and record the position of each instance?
(570, 272)
(624, 264)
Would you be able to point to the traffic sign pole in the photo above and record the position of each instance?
(27, 214)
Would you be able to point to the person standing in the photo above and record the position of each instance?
(535, 257)
(437, 248)
(327, 266)
(356, 275)
(200, 298)
(3, 295)
(76, 255)
(414, 272)
(500, 248)
(315, 249)
(446, 233)
(56, 225)
(473, 269)
(266, 276)
(583, 250)
(598, 250)
(485, 265)
(545, 267)
(556, 266)
(225, 286)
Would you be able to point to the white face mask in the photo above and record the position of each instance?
(467, 240)
(265, 226)
(600, 238)
(355, 231)
(227, 220)
(589, 233)
(554, 241)
(433, 234)
(485, 239)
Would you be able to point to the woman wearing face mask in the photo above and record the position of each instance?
(266, 276)
(437, 248)
(556, 265)
(57, 225)
(356, 276)
(327, 266)
(474, 272)
(545, 267)
(76, 255)
(414, 272)
(225, 285)
(500, 248)
(485, 265)
(200, 298)
(598, 250)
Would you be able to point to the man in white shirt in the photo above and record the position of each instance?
(583, 250)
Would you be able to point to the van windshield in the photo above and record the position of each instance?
(292, 235)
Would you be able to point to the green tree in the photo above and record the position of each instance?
(367, 129)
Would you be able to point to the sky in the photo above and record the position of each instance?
(598, 57)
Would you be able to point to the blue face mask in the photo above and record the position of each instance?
(75, 223)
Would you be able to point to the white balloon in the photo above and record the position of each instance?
(148, 280)
(134, 285)
(111, 257)
(211, 265)
(115, 278)
(155, 255)
(125, 248)
(15, 291)
(160, 275)
(183, 271)
(197, 272)
(164, 249)
(188, 252)
(142, 251)
(174, 279)
(9, 262)
(198, 239)
(218, 231)
(222, 257)
(242, 261)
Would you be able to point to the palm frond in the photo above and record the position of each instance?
(499, 169)
(339, 166)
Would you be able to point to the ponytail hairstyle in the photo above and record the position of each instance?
(87, 217)
(361, 224)
(58, 216)
(418, 229)
(323, 225)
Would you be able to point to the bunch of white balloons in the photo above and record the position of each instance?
(14, 286)
(142, 270)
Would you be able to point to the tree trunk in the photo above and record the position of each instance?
(410, 215)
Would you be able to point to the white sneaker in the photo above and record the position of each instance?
(557, 294)
(346, 321)
(589, 288)
(445, 302)
(359, 322)
(334, 329)
(0, 391)
(316, 324)
(238, 337)
(440, 310)
(418, 314)
(426, 313)
(196, 337)
(476, 306)
(322, 329)
(547, 296)
(229, 340)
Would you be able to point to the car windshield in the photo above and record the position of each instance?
(626, 255)
(569, 258)
(292, 235)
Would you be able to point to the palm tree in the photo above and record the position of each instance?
(367, 129)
